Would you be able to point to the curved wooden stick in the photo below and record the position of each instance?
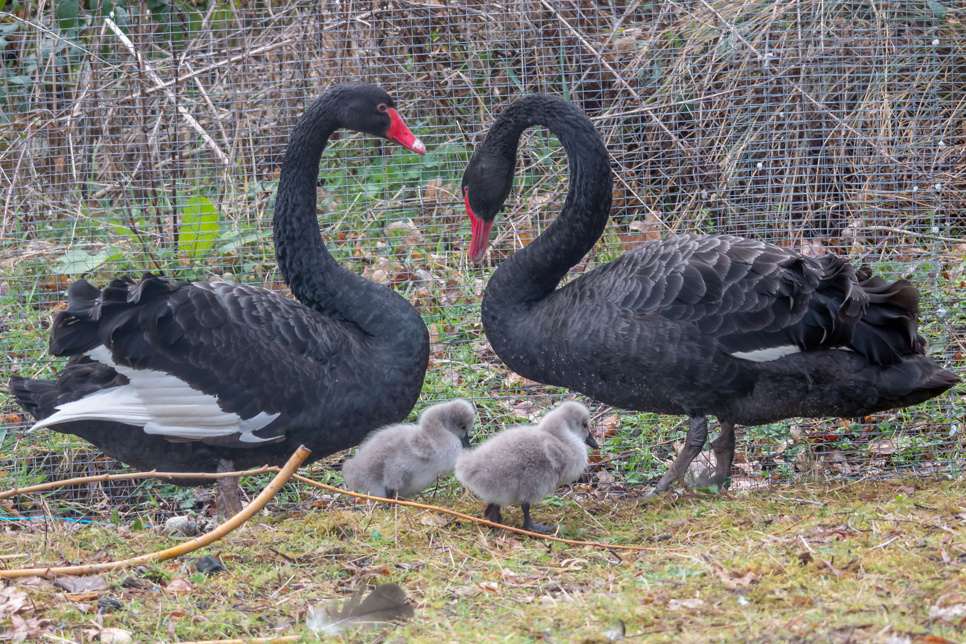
(435, 508)
(41, 487)
(189, 546)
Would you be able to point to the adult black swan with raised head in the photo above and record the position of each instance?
(190, 377)
(698, 325)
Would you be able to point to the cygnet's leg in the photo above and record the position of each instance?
(697, 435)
(227, 500)
(724, 456)
(492, 513)
(530, 526)
(391, 493)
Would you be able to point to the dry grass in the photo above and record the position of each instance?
(864, 562)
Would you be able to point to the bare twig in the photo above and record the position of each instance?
(887, 543)
(573, 30)
(276, 484)
(912, 233)
(100, 478)
(818, 503)
(13, 182)
(434, 508)
(249, 640)
(167, 92)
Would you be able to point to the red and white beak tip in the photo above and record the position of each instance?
(399, 133)
(481, 234)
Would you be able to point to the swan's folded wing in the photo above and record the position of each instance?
(759, 301)
(220, 362)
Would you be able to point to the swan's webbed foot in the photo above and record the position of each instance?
(530, 526)
(724, 455)
(227, 499)
(693, 442)
(492, 513)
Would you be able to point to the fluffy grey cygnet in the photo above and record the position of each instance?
(524, 464)
(405, 459)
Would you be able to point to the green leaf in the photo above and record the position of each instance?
(3, 3)
(513, 76)
(80, 260)
(239, 240)
(123, 231)
(938, 8)
(200, 224)
(67, 12)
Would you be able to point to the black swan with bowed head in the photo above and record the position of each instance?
(190, 377)
(692, 324)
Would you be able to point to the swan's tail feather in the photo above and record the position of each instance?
(79, 378)
(888, 329)
(838, 275)
(36, 397)
(93, 316)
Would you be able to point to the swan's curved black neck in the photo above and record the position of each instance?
(535, 271)
(312, 274)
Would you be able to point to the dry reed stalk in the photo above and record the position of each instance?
(250, 640)
(167, 92)
(466, 517)
(284, 474)
(99, 478)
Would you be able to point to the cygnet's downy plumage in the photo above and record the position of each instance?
(524, 464)
(405, 459)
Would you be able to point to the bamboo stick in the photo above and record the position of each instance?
(189, 546)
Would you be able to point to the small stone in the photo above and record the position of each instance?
(106, 604)
(935, 41)
(183, 526)
(210, 566)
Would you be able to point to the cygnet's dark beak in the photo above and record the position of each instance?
(590, 441)
(465, 441)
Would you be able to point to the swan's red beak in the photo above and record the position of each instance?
(481, 232)
(399, 133)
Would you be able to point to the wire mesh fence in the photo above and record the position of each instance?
(149, 136)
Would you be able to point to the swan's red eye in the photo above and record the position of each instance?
(383, 107)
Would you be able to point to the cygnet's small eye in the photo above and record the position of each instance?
(383, 107)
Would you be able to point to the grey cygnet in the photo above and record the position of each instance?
(401, 460)
(524, 464)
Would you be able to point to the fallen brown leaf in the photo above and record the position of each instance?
(179, 586)
(24, 629)
(76, 585)
(11, 601)
(733, 581)
(691, 603)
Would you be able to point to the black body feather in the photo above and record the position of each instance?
(349, 357)
(657, 329)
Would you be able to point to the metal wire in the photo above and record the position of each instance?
(137, 137)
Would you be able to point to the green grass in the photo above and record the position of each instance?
(866, 561)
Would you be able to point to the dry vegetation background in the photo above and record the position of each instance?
(149, 135)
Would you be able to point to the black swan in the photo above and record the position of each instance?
(691, 324)
(402, 460)
(202, 376)
(522, 465)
